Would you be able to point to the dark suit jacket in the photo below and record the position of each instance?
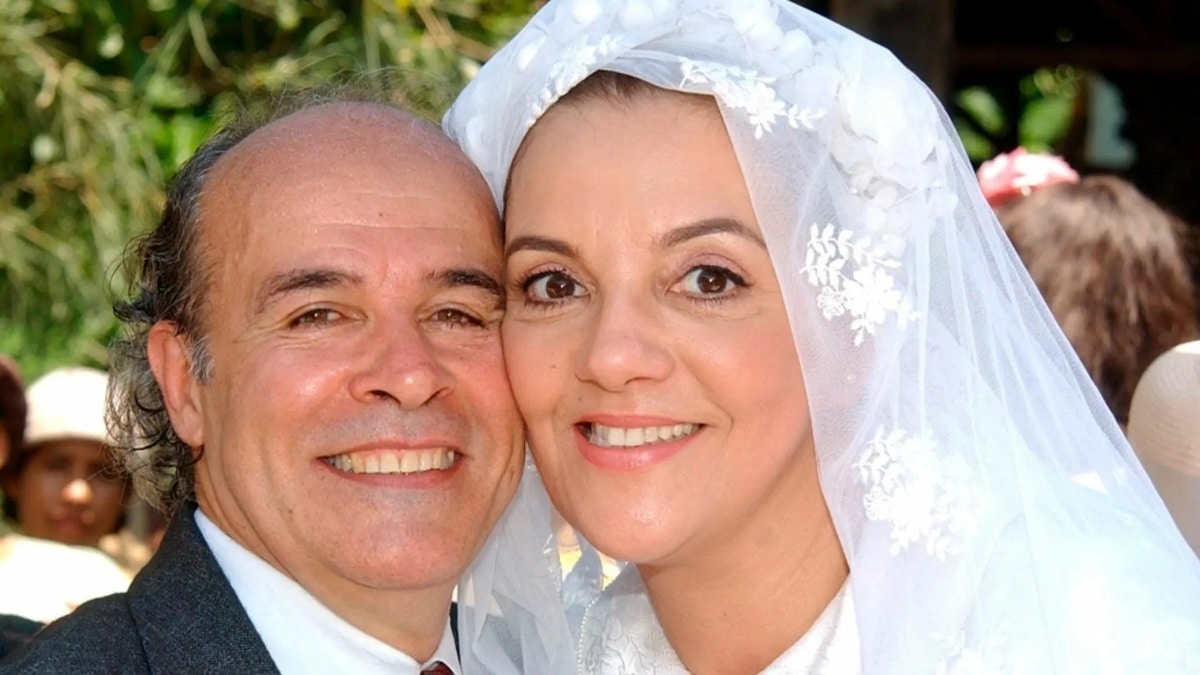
(179, 616)
(15, 631)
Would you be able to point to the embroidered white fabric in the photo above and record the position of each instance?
(993, 516)
(621, 637)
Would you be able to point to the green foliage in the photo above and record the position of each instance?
(1047, 101)
(102, 99)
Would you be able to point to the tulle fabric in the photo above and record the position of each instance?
(992, 514)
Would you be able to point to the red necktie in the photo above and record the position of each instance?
(438, 668)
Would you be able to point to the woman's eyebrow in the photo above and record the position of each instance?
(702, 228)
(536, 243)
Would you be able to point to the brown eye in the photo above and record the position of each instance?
(315, 317)
(456, 318)
(710, 280)
(552, 286)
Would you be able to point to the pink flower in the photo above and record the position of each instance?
(1021, 172)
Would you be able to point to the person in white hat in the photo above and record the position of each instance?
(1162, 431)
(61, 485)
(40, 578)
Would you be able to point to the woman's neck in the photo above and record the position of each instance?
(735, 607)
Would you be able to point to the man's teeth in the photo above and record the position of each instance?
(407, 461)
(632, 437)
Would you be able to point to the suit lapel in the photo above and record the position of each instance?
(186, 612)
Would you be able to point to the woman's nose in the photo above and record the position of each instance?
(626, 346)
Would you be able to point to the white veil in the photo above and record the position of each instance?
(992, 514)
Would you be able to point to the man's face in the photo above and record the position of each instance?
(358, 426)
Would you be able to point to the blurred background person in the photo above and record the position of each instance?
(62, 485)
(1110, 263)
(1164, 433)
(57, 493)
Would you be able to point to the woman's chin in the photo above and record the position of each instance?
(632, 543)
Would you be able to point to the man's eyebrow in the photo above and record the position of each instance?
(291, 281)
(470, 276)
(534, 243)
(709, 226)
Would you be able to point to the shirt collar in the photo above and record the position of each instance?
(300, 633)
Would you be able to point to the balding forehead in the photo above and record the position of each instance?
(347, 127)
(344, 123)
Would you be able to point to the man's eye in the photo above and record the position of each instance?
(551, 286)
(316, 317)
(457, 317)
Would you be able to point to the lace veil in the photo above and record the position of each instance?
(992, 514)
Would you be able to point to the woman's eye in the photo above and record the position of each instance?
(551, 286)
(316, 317)
(710, 280)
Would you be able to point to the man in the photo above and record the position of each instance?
(319, 308)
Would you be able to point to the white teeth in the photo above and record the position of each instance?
(632, 437)
(407, 461)
(410, 463)
(388, 463)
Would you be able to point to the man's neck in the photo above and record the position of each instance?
(412, 621)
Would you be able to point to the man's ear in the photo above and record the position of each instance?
(168, 352)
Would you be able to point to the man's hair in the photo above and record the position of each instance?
(1113, 267)
(170, 278)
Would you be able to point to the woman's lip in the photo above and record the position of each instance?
(629, 459)
(629, 421)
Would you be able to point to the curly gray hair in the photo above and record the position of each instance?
(170, 278)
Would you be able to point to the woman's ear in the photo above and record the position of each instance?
(170, 361)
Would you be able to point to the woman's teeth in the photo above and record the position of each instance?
(633, 437)
(407, 461)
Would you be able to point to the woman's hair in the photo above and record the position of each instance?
(1114, 270)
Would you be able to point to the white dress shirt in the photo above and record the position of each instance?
(301, 634)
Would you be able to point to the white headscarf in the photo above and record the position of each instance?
(992, 514)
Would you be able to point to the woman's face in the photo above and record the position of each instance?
(66, 493)
(646, 335)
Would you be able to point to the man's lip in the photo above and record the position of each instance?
(402, 445)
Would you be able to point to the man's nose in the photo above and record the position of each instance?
(625, 346)
(404, 366)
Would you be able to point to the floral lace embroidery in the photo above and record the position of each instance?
(749, 92)
(868, 295)
(571, 69)
(925, 497)
(984, 657)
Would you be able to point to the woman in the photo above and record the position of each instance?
(773, 348)
(1111, 264)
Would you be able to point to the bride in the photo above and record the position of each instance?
(773, 350)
